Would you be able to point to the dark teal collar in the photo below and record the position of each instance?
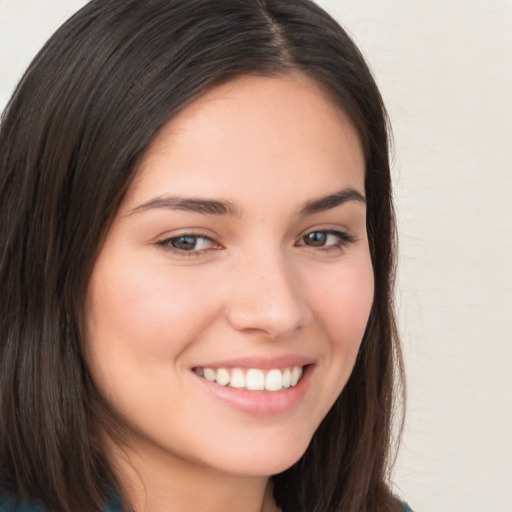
(9, 505)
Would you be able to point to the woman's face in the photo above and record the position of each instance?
(228, 302)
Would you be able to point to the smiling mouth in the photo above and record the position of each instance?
(253, 379)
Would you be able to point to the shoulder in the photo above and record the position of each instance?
(10, 505)
(406, 507)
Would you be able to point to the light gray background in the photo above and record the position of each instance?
(445, 70)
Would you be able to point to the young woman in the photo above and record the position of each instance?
(197, 265)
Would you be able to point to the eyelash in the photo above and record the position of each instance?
(167, 244)
(344, 238)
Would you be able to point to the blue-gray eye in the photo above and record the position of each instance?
(188, 243)
(184, 243)
(327, 239)
(316, 238)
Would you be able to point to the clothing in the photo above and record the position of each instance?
(113, 506)
(10, 506)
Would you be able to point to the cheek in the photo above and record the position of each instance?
(344, 303)
(341, 299)
(147, 315)
(342, 309)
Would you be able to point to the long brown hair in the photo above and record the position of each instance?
(70, 141)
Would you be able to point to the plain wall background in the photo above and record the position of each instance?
(445, 71)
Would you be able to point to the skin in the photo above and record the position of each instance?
(253, 287)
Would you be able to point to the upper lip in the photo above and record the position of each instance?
(262, 363)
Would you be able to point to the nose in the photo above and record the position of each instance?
(266, 297)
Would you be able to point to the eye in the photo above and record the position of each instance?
(326, 239)
(188, 243)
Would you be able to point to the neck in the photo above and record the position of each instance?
(152, 482)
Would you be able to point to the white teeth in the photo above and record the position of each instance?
(296, 375)
(222, 377)
(287, 378)
(274, 380)
(253, 379)
(209, 374)
(237, 379)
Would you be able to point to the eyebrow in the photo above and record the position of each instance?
(331, 201)
(191, 204)
(215, 207)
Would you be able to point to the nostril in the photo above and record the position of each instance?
(274, 320)
(265, 296)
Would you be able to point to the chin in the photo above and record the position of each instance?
(267, 460)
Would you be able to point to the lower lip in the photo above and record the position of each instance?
(261, 402)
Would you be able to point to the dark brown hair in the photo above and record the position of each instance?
(70, 141)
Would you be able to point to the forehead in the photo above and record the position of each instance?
(249, 131)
